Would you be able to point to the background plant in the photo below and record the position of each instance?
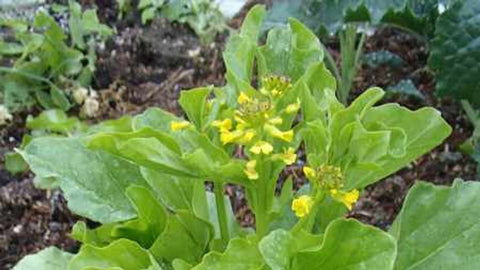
(49, 63)
(202, 16)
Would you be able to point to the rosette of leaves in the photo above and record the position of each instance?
(48, 60)
(145, 182)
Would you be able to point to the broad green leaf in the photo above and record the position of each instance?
(151, 153)
(93, 182)
(240, 52)
(289, 51)
(185, 237)
(279, 247)
(99, 237)
(348, 244)
(151, 220)
(14, 163)
(174, 192)
(121, 254)
(240, 254)
(60, 99)
(122, 124)
(452, 49)
(193, 102)
(155, 118)
(50, 258)
(53, 120)
(438, 227)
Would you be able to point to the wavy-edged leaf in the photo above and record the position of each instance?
(240, 254)
(438, 227)
(348, 244)
(121, 254)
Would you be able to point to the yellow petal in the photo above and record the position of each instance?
(309, 172)
(224, 125)
(243, 98)
(250, 170)
(288, 157)
(302, 205)
(228, 137)
(247, 137)
(174, 126)
(350, 198)
(261, 147)
(293, 108)
(283, 135)
(276, 121)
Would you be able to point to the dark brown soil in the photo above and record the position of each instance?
(148, 66)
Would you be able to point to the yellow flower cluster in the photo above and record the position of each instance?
(330, 178)
(256, 123)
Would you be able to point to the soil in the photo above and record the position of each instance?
(144, 66)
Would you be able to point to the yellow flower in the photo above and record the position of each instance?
(243, 98)
(347, 198)
(302, 205)
(224, 125)
(283, 135)
(230, 136)
(350, 198)
(275, 92)
(247, 137)
(261, 147)
(250, 170)
(309, 172)
(174, 126)
(276, 121)
(288, 157)
(293, 108)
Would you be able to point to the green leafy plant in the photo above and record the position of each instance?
(450, 54)
(346, 18)
(145, 182)
(49, 64)
(202, 16)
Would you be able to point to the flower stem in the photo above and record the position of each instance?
(307, 223)
(261, 215)
(221, 212)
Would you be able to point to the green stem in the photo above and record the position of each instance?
(470, 111)
(221, 212)
(351, 55)
(261, 213)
